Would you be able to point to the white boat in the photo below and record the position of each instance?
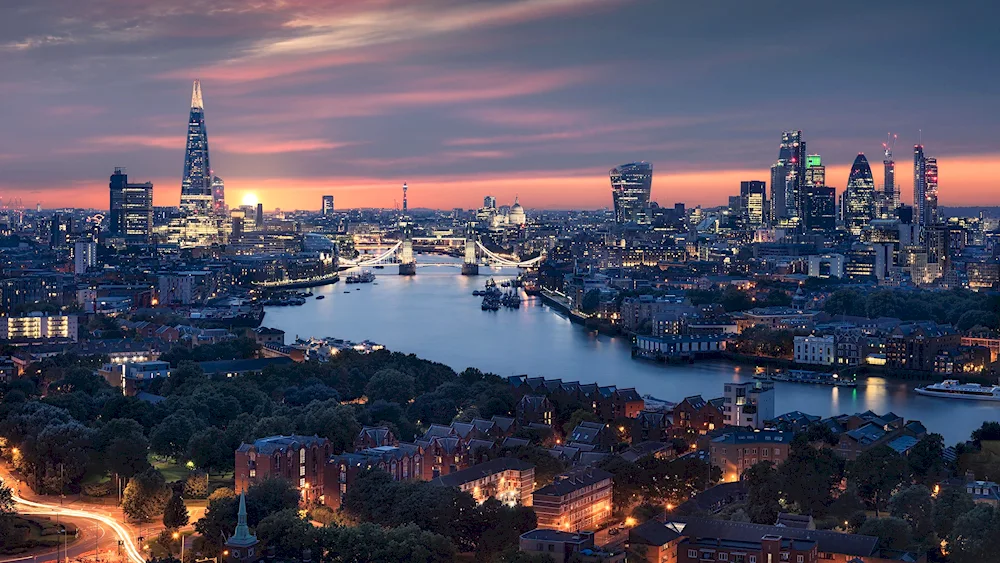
(953, 389)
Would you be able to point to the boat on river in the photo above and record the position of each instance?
(953, 389)
(804, 376)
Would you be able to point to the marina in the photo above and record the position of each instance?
(805, 376)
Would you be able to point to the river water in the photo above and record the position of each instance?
(435, 316)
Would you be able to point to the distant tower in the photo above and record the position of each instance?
(407, 262)
(219, 196)
(242, 545)
(891, 193)
(327, 206)
(260, 217)
(196, 185)
(859, 199)
(931, 190)
(919, 185)
(631, 185)
(470, 267)
(404, 198)
(788, 176)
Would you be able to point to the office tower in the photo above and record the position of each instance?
(788, 176)
(489, 202)
(84, 256)
(327, 207)
(815, 171)
(60, 228)
(131, 213)
(889, 188)
(260, 217)
(236, 218)
(931, 191)
(859, 199)
(631, 185)
(819, 207)
(753, 194)
(196, 185)
(919, 185)
(218, 196)
(404, 199)
(117, 190)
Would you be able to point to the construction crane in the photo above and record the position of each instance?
(889, 144)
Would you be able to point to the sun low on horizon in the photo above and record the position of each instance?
(250, 199)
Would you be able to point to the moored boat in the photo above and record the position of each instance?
(953, 389)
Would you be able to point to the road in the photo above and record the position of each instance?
(120, 531)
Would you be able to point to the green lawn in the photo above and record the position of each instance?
(41, 533)
(171, 471)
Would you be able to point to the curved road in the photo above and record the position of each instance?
(28, 507)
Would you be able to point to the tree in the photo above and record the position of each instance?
(390, 385)
(591, 301)
(209, 451)
(914, 505)
(809, 476)
(196, 485)
(124, 447)
(877, 472)
(951, 502)
(145, 495)
(893, 533)
(926, 459)
(330, 420)
(171, 437)
(988, 431)
(974, 537)
(763, 491)
(271, 495)
(287, 532)
(175, 514)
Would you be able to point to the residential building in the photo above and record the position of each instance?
(564, 547)
(817, 350)
(402, 462)
(301, 460)
(534, 409)
(38, 327)
(770, 547)
(506, 479)
(575, 501)
(748, 404)
(735, 452)
(680, 346)
(84, 256)
(913, 346)
(697, 415)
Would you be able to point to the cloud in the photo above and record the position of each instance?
(233, 144)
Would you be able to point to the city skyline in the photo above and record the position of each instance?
(354, 99)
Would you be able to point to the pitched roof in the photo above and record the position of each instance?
(573, 480)
(834, 542)
(271, 444)
(485, 469)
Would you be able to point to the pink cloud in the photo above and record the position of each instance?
(233, 144)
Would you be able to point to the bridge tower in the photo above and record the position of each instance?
(471, 266)
(407, 262)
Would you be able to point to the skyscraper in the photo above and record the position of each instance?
(753, 196)
(859, 200)
(196, 185)
(919, 185)
(260, 217)
(131, 209)
(631, 185)
(815, 171)
(327, 207)
(889, 189)
(218, 196)
(788, 176)
(819, 206)
(931, 190)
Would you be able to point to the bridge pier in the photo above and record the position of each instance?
(470, 269)
(407, 268)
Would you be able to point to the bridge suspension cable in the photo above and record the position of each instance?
(380, 259)
(507, 261)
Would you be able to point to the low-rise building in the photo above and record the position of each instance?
(817, 350)
(563, 547)
(301, 460)
(748, 404)
(698, 415)
(506, 479)
(735, 452)
(680, 346)
(402, 462)
(574, 501)
(236, 368)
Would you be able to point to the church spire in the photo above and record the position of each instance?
(196, 101)
(242, 535)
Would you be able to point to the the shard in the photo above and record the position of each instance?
(196, 185)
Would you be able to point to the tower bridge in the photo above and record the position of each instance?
(475, 255)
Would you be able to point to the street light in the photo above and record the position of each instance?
(177, 535)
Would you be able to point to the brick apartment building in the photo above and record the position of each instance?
(402, 462)
(577, 500)
(299, 459)
(506, 479)
(735, 452)
(698, 415)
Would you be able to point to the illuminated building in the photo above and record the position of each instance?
(631, 185)
(737, 451)
(577, 500)
(753, 194)
(37, 326)
(196, 185)
(748, 404)
(925, 184)
(815, 171)
(218, 196)
(300, 460)
(930, 200)
(506, 479)
(131, 209)
(788, 176)
(516, 215)
(859, 201)
(84, 256)
(327, 207)
(890, 190)
(819, 208)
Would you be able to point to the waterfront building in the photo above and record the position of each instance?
(506, 479)
(577, 500)
(680, 346)
(696, 414)
(631, 185)
(775, 318)
(327, 206)
(748, 404)
(914, 345)
(301, 460)
(859, 201)
(818, 350)
(637, 312)
(735, 452)
(196, 184)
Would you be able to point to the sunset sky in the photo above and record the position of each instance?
(464, 98)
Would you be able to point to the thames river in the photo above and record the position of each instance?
(435, 316)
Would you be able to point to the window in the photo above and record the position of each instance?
(752, 558)
(800, 559)
(692, 554)
(723, 557)
(784, 556)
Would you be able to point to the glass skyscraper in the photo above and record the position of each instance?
(753, 200)
(919, 184)
(631, 185)
(788, 176)
(859, 199)
(196, 185)
(131, 209)
(931, 190)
